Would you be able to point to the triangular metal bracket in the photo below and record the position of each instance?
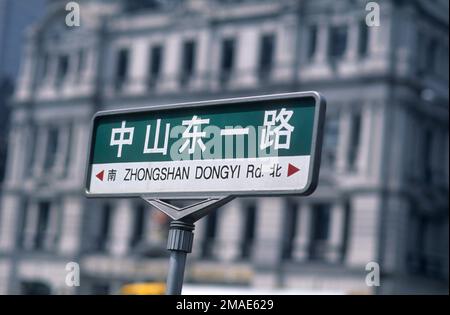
(192, 212)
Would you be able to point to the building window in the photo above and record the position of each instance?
(63, 67)
(103, 231)
(417, 257)
(355, 135)
(427, 156)
(267, 48)
(347, 228)
(444, 66)
(312, 43)
(81, 63)
(155, 65)
(139, 226)
(330, 141)
(320, 227)
(248, 232)
(188, 65)
(227, 61)
(121, 68)
(44, 66)
(43, 219)
(432, 56)
(209, 236)
(31, 149)
(68, 149)
(363, 40)
(22, 226)
(420, 53)
(289, 230)
(51, 148)
(141, 5)
(337, 43)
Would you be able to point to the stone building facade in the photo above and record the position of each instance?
(382, 194)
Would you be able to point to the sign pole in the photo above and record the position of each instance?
(179, 244)
(181, 235)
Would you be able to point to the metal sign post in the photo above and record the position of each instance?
(181, 234)
(179, 244)
(209, 152)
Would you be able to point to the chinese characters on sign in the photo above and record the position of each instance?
(125, 137)
(276, 125)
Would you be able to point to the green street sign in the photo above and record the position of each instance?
(263, 145)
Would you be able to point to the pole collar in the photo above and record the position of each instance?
(180, 236)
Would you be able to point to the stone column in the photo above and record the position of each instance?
(199, 233)
(302, 240)
(72, 210)
(351, 53)
(157, 234)
(214, 60)
(344, 139)
(202, 61)
(337, 221)
(322, 43)
(151, 227)
(88, 76)
(80, 136)
(6, 270)
(268, 231)
(41, 149)
(121, 228)
(72, 73)
(63, 148)
(394, 164)
(9, 221)
(16, 156)
(30, 228)
(138, 68)
(27, 70)
(267, 251)
(394, 233)
(230, 231)
(285, 48)
(367, 135)
(363, 230)
(245, 74)
(52, 231)
(381, 112)
(321, 65)
(380, 44)
(48, 88)
(171, 64)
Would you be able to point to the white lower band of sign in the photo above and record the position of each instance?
(191, 176)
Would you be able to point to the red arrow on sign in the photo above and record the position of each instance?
(292, 169)
(100, 175)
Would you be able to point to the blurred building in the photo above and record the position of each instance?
(15, 16)
(383, 187)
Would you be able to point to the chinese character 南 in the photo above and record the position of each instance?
(125, 137)
(193, 135)
(155, 148)
(112, 175)
(275, 127)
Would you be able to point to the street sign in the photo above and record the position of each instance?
(263, 145)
